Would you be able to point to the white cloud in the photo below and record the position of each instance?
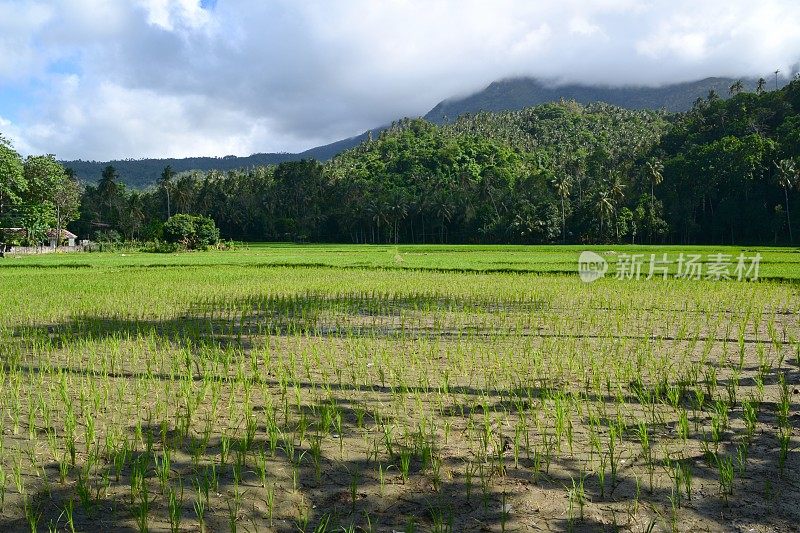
(169, 14)
(169, 78)
(581, 26)
(12, 133)
(19, 23)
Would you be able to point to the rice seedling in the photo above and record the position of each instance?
(199, 506)
(299, 396)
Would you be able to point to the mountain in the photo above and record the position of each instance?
(519, 93)
(140, 173)
(503, 95)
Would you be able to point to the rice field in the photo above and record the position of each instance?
(410, 388)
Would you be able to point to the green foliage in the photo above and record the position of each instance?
(12, 180)
(43, 175)
(555, 172)
(205, 231)
(36, 220)
(720, 174)
(36, 195)
(180, 229)
(193, 232)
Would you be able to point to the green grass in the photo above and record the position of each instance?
(780, 263)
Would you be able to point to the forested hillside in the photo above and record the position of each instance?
(505, 95)
(724, 172)
(141, 173)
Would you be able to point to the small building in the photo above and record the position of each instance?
(67, 236)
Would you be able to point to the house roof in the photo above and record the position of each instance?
(51, 234)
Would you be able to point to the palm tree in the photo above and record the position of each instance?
(183, 193)
(761, 85)
(136, 214)
(616, 189)
(736, 87)
(605, 208)
(616, 193)
(166, 184)
(655, 174)
(788, 178)
(108, 190)
(563, 185)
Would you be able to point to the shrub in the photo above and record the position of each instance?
(206, 232)
(191, 231)
(180, 229)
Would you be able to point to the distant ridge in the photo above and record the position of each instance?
(504, 95)
(141, 173)
(518, 93)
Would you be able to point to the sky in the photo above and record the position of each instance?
(115, 79)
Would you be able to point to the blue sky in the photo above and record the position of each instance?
(15, 98)
(95, 79)
(21, 96)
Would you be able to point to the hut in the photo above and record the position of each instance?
(66, 236)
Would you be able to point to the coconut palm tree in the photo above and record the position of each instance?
(788, 177)
(616, 189)
(605, 208)
(655, 173)
(135, 214)
(616, 194)
(563, 186)
(166, 183)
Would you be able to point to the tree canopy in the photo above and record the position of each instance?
(36, 194)
(723, 172)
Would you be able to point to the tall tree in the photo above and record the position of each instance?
(43, 175)
(134, 218)
(605, 208)
(563, 186)
(109, 192)
(166, 185)
(655, 176)
(788, 178)
(51, 199)
(66, 200)
(12, 177)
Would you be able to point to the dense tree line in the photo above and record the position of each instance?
(724, 172)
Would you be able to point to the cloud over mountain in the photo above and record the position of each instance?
(95, 79)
